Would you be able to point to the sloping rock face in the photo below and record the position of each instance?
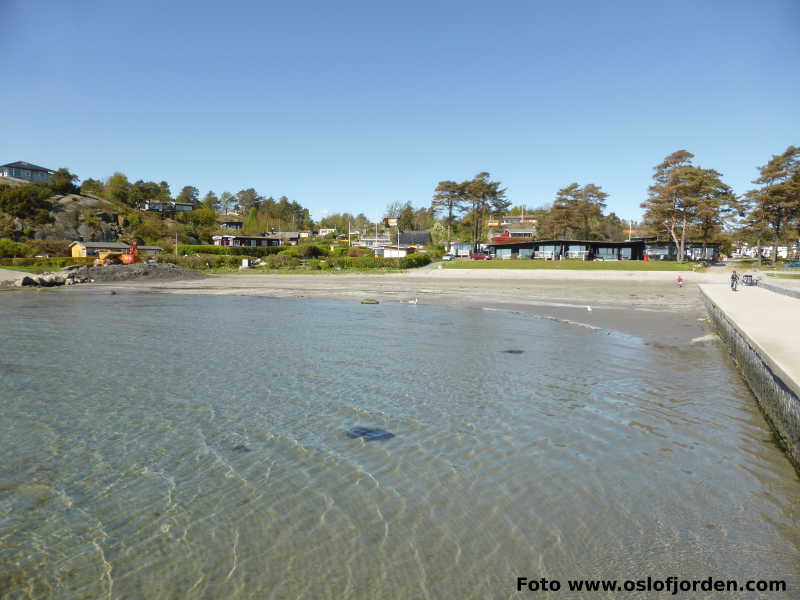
(82, 217)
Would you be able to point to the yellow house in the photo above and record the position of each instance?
(83, 249)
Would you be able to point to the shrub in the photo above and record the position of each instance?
(306, 251)
(51, 246)
(203, 261)
(281, 261)
(11, 249)
(412, 261)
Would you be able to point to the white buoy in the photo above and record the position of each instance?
(589, 308)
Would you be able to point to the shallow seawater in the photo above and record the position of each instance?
(165, 446)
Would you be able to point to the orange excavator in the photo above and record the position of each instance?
(116, 258)
(132, 255)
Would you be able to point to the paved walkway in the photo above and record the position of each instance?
(770, 321)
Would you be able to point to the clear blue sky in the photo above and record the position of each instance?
(348, 106)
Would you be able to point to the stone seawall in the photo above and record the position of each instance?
(777, 398)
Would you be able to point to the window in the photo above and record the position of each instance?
(606, 253)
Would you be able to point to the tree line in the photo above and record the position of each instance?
(687, 201)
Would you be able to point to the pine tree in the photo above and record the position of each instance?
(776, 203)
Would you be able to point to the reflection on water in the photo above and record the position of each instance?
(196, 447)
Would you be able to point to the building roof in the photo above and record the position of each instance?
(26, 165)
(113, 245)
(243, 237)
(415, 237)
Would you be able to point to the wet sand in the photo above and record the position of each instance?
(646, 304)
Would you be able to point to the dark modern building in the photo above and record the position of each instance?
(635, 249)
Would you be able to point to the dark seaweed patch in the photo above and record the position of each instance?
(241, 448)
(369, 434)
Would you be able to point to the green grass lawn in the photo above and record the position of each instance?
(571, 264)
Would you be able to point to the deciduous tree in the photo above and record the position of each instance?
(63, 182)
(117, 189)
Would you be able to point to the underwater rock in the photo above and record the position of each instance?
(369, 434)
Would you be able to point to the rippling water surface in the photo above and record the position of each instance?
(194, 447)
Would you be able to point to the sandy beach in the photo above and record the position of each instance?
(647, 304)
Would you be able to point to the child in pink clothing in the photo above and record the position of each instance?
(680, 280)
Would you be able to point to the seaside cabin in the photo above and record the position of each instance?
(394, 251)
(508, 247)
(85, 249)
(286, 238)
(460, 249)
(156, 205)
(232, 224)
(372, 242)
(636, 249)
(26, 171)
(166, 206)
(506, 220)
(655, 249)
(245, 241)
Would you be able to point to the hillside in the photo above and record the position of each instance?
(12, 181)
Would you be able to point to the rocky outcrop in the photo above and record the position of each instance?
(113, 273)
(51, 279)
(77, 216)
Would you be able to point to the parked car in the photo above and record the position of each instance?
(480, 256)
(447, 257)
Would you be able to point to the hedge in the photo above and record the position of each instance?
(202, 261)
(287, 261)
(259, 251)
(55, 262)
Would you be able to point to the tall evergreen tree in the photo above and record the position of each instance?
(188, 195)
(776, 203)
(449, 197)
(486, 198)
(670, 207)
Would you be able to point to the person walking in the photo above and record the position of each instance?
(734, 280)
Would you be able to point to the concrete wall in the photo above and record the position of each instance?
(779, 403)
